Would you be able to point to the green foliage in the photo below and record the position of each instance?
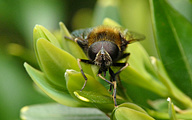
(173, 38)
(170, 76)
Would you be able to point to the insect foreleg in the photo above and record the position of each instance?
(82, 72)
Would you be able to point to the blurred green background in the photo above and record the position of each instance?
(17, 19)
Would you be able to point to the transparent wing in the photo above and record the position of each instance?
(131, 36)
(81, 33)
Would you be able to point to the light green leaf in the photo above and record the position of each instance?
(130, 111)
(69, 45)
(54, 62)
(56, 93)
(54, 111)
(75, 81)
(41, 32)
(133, 106)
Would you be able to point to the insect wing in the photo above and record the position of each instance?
(131, 36)
(81, 33)
(80, 36)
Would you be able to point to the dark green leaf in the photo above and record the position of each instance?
(183, 6)
(174, 39)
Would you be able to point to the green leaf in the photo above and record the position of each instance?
(58, 94)
(93, 93)
(130, 111)
(93, 97)
(54, 62)
(69, 45)
(54, 111)
(171, 110)
(133, 106)
(41, 32)
(75, 81)
(172, 33)
(174, 92)
(124, 113)
(144, 80)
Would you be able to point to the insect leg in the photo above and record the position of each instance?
(75, 40)
(116, 77)
(110, 88)
(123, 65)
(99, 74)
(113, 83)
(80, 41)
(85, 61)
(125, 55)
(69, 38)
(113, 77)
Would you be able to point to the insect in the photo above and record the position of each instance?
(105, 46)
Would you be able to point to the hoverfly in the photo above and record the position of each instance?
(105, 46)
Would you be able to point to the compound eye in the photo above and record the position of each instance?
(110, 47)
(94, 49)
(91, 54)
